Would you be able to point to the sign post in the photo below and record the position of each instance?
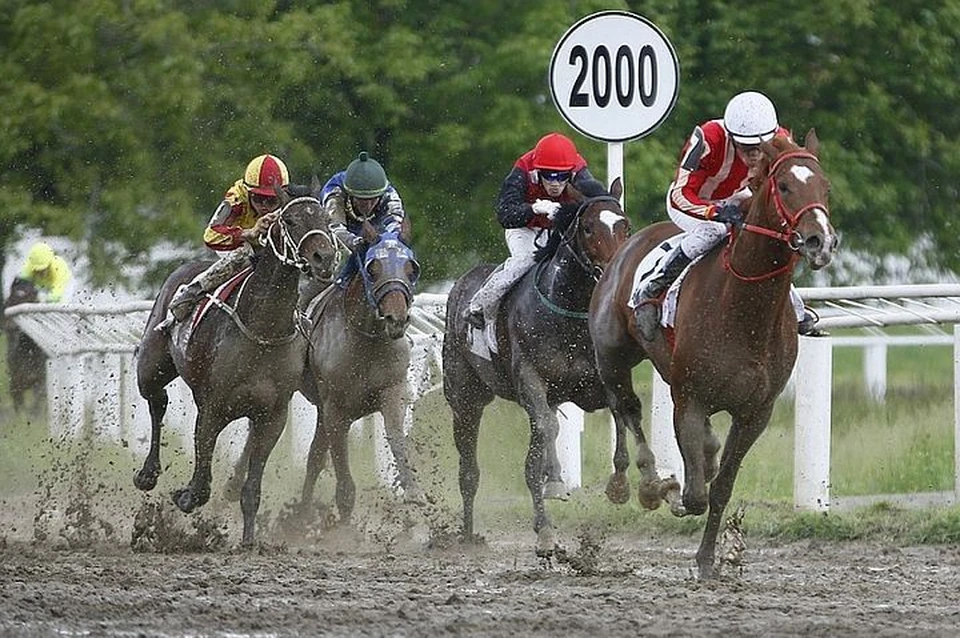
(614, 77)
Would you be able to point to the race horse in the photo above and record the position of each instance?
(26, 362)
(245, 361)
(544, 357)
(734, 338)
(358, 359)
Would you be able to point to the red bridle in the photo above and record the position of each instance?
(788, 220)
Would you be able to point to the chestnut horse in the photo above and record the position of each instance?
(734, 340)
(243, 362)
(544, 355)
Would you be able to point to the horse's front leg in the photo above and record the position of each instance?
(233, 486)
(265, 431)
(316, 459)
(542, 467)
(688, 424)
(744, 431)
(392, 408)
(346, 491)
(208, 427)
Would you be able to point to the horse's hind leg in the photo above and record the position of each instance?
(153, 374)
(466, 431)
(263, 437)
(627, 413)
(743, 434)
(392, 408)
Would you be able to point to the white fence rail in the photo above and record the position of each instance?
(91, 379)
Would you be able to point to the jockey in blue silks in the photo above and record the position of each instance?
(360, 193)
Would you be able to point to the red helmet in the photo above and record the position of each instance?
(555, 152)
(264, 173)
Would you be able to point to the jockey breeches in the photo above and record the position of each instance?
(522, 243)
(228, 265)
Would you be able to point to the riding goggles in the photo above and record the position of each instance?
(556, 176)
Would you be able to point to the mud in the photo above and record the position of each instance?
(353, 582)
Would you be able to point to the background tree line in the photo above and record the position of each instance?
(123, 121)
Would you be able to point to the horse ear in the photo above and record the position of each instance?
(315, 185)
(282, 195)
(811, 142)
(616, 188)
(369, 233)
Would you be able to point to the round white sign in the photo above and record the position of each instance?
(614, 76)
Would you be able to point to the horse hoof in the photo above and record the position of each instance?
(648, 493)
(145, 481)
(546, 541)
(555, 490)
(618, 489)
(183, 499)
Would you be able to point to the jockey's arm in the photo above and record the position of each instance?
(393, 219)
(513, 210)
(587, 184)
(335, 205)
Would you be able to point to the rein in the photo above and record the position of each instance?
(570, 241)
(288, 252)
(788, 222)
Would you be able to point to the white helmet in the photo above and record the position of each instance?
(750, 118)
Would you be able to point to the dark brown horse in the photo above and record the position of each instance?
(243, 362)
(735, 335)
(26, 362)
(544, 355)
(358, 362)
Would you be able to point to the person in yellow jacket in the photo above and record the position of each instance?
(47, 271)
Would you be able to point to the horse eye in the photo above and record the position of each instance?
(783, 188)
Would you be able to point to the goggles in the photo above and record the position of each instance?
(556, 176)
(261, 200)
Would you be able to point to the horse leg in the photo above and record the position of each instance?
(233, 486)
(744, 431)
(688, 424)
(153, 374)
(392, 408)
(197, 492)
(711, 446)
(346, 492)
(264, 433)
(316, 459)
(627, 410)
(466, 432)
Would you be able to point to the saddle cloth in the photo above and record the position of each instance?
(649, 267)
(182, 331)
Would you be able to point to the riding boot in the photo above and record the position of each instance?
(807, 327)
(647, 312)
(483, 306)
(185, 300)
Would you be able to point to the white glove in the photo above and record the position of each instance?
(546, 207)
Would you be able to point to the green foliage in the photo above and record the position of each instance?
(125, 121)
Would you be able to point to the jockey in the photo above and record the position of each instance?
(248, 209)
(360, 193)
(532, 194)
(47, 271)
(704, 198)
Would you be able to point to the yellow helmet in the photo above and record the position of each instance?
(40, 257)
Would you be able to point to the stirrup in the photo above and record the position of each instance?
(474, 318)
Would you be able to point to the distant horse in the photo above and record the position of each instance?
(26, 362)
(734, 340)
(243, 362)
(544, 357)
(358, 362)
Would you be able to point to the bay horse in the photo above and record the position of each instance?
(243, 362)
(544, 357)
(734, 340)
(26, 362)
(358, 359)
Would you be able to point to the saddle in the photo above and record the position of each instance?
(648, 268)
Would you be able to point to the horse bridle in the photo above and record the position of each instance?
(788, 219)
(288, 252)
(387, 249)
(570, 235)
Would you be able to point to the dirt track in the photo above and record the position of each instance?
(621, 587)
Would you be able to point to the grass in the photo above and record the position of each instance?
(902, 445)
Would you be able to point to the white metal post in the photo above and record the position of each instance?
(663, 439)
(811, 444)
(875, 370)
(956, 410)
(615, 166)
(569, 453)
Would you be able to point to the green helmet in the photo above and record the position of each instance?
(365, 178)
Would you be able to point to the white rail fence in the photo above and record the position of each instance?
(91, 380)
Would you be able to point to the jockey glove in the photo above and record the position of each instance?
(545, 207)
(728, 214)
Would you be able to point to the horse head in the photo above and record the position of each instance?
(598, 228)
(390, 271)
(300, 237)
(790, 200)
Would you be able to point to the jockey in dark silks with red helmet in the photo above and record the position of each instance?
(534, 202)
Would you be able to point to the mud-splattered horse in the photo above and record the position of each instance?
(26, 362)
(243, 362)
(735, 333)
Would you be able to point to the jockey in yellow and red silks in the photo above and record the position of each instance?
(246, 212)
(47, 271)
